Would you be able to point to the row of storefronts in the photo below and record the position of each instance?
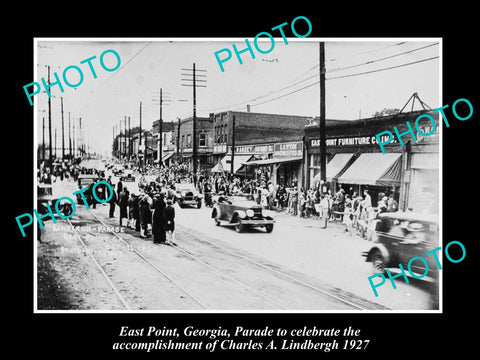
(285, 150)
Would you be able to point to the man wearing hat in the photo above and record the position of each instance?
(169, 214)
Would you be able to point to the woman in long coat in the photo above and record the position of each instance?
(158, 228)
(145, 216)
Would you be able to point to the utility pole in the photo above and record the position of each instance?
(178, 141)
(233, 147)
(43, 139)
(81, 137)
(323, 147)
(194, 143)
(160, 129)
(125, 137)
(140, 138)
(162, 101)
(129, 140)
(55, 143)
(119, 139)
(74, 142)
(69, 137)
(194, 80)
(49, 125)
(63, 130)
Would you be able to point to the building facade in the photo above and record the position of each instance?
(164, 139)
(182, 137)
(356, 163)
(268, 147)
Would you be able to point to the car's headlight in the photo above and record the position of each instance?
(241, 214)
(250, 213)
(49, 202)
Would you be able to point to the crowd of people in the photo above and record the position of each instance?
(150, 210)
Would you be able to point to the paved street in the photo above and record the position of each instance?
(228, 272)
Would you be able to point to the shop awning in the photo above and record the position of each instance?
(225, 164)
(165, 157)
(272, 161)
(374, 169)
(335, 166)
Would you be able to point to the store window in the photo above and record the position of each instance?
(202, 140)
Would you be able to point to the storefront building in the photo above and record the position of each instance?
(166, 139)
(356, 163)
(182, 137)
(268, 147)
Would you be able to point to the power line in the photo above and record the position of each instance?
(344, 76)
(367, 51)
(383, 69)
(381, 59)
(128, 61)
(236, 106)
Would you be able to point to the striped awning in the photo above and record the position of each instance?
(374, 169)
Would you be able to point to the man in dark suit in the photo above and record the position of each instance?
(123, 203)
(112, 202)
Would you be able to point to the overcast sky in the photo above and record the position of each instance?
(264, 82)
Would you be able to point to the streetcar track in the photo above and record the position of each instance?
(196, 258)
(258, 264)
(110, 283)
(156, 268)
(273, 268)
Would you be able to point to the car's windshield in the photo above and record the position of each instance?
(184, 187)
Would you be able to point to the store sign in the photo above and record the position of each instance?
(253, 149)
(290, 149)
(349, 141)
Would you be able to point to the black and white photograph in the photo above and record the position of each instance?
(211, 181)
(180, 175)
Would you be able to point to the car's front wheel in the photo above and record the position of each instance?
(67, 210)
(378, 261)
(269, 228)
(239, 227)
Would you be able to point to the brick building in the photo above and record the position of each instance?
(182, 137)
(269, 146)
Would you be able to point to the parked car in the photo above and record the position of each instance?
(45, 196)
(186, 194)
(240, 212)
(85, 180)
(400, 236)
(118, 170)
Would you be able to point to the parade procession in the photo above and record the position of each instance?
(166, 184)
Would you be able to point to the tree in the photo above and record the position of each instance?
(386, 112)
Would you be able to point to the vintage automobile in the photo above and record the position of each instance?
(127, 176)
(240, 212)
(118, 170)
(85, 180)
(45, 196)
(399, 237)
(186, 194)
